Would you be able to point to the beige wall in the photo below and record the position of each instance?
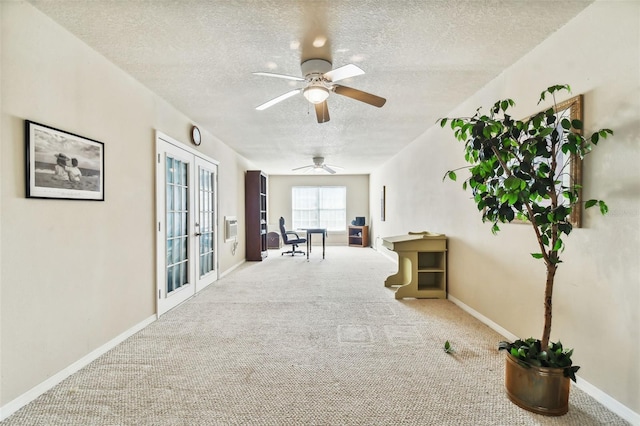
(74, 274)
(280, 199)
(597, 299)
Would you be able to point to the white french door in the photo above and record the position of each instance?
(206, 220)
(186, 211)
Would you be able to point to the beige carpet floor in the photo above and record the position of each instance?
(294, 342)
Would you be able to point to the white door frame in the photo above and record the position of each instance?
(194, 159)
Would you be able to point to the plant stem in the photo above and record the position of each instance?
(550, 257)
(548, 295)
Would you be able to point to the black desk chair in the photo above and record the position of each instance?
(293, 242)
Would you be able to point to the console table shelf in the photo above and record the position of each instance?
(422, 265)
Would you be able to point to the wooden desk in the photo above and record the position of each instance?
(310, 232)
(422, 265)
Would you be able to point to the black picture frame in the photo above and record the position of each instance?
(62, 165)
(383, 204)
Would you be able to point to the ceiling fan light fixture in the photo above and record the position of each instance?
(316, 94)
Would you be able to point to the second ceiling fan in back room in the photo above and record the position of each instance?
(319, 81)
(318, 166)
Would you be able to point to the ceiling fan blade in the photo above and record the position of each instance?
(303, 167)
(286, 77)
(322, 112)
(333, 166)
(343, 72)
(278, 99)
(359, 95)
(329, 169)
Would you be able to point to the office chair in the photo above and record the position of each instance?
(293, 242)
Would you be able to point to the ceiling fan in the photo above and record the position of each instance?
(319, 81)
(318, 166)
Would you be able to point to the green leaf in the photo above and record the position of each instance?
(571, 372)
(504, 346)
(604, 209)
(590, 203)
(565, 228)
(546, 131)
(447, 347)
(443, 122)
(558, 245)
(542, 95)
(452, 175)
(577, 124)
(537, 255)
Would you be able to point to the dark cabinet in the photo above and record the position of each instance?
(255, 193)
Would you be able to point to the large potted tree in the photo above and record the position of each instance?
(519, 171)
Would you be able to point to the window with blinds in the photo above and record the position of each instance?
(319, 207)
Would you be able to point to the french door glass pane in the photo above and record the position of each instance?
(177, 214)
(169, 171)
(207, 215)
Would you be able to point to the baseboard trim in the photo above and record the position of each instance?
(387, 254)
(477, 315)
(600, 396)
(13, 406)
(233, 268)
(613, 405)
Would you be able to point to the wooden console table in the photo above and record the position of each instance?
(422, 265)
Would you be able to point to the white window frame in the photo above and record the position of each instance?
(316, 220)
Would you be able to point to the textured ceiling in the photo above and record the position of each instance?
(424, 56)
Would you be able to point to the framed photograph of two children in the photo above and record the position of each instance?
(63, 165)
